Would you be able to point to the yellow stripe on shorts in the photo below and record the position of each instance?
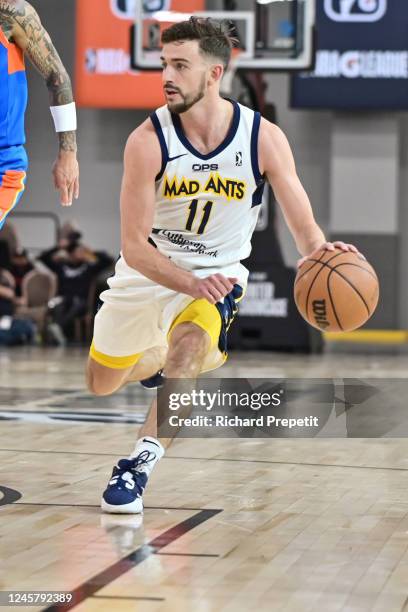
(115, 363)
(203, 314)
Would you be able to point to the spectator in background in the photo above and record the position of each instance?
(5, 258)
(68, 229)
(9, 234)
(77, 268)
(20, 265)
(13, 331)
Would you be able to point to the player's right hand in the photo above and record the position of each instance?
(66, 176)
(213, 288)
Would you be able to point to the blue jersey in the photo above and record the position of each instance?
(13, 104)
(13, 94)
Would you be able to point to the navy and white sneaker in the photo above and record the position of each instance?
(123, 494)
(154, 382)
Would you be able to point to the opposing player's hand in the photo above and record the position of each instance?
(330, 246)
(213, 288)
(66, 176)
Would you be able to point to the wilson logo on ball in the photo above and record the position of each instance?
(320, 313)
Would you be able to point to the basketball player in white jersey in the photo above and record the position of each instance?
(192, 188)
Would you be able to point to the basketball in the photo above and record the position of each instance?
(336, 291)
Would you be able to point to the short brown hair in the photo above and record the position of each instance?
(214, 37)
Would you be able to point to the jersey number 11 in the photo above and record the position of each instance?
(193, 213)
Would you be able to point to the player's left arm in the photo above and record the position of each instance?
(23, 26)
(277, 163)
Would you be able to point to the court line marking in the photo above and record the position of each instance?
(126, 598)
(105, 577)
(354, 467)
(52, 398)
(10, 496)
(178, 554)
(81, 411)
(98, 506)
(61, 415)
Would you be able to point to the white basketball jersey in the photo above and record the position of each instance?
(207, 205)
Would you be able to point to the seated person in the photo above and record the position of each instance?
(13, 330)
(77, 268)
(20, 266)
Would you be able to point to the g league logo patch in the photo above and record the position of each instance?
(126, 9)
(355, 10)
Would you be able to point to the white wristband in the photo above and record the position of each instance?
(65, 119)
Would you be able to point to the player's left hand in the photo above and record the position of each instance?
(331, 246)
(66, 176)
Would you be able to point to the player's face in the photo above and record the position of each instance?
(186, 74)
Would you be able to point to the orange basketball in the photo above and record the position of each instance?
(336, 291)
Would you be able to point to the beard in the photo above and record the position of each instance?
(188, 100)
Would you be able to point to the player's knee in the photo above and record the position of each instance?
(189, 345)
(97, 384)
(189, 339)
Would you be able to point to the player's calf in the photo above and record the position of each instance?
(188, 347)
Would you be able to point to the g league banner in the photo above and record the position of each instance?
(362, 57)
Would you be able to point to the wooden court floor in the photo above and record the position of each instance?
(229, 525)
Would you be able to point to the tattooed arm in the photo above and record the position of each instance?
(22, 26)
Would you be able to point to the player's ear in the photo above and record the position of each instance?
(216, 73)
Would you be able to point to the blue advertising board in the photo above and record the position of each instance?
(362, 57)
